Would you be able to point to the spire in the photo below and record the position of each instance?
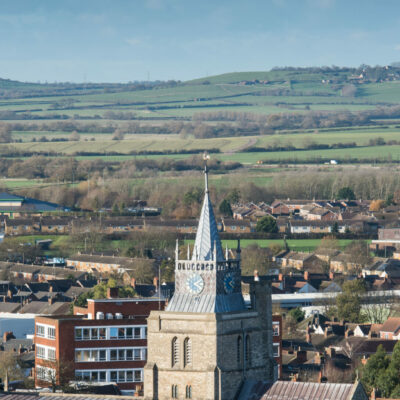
(207, 245)
(177, 250)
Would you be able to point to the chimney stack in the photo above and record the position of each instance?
(155, 282)
(112, 293)
(7, 336)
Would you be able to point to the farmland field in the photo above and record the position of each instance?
(106, 108)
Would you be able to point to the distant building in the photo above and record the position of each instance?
(16, 206)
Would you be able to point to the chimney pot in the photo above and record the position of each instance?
(133, 282)
(256, 277)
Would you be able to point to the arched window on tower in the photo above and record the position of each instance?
(248, 351)
(175, 351)
(239, 354)
(174, 391)
(187, 349)
(188, 392)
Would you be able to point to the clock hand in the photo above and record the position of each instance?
(197, 284)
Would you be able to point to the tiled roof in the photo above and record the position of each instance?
(392, 324)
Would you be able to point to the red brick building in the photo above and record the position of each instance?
(277, 341)
(105, 342)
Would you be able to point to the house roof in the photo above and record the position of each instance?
(391, 325)
(41, 307)
(9, 307)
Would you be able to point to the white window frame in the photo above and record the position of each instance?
(276, 346)
(47, 329)
(120, 374)
(275, 324)
(45, 373)
(142, 334)
(96, 358)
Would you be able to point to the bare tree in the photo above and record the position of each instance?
(9, 368)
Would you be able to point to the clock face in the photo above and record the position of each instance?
(195, 284)
(229, 282)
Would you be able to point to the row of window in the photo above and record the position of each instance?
(187, 352)
(45, 353)
(110, 333)
(45, 331)
(130, 375)
(45, 373)
(174, 392)
(92, 355)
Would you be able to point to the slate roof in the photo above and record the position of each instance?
(9, 307)
(207, 234)
(284, 390)
(41, 307)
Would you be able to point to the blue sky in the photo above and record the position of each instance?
(127, 40)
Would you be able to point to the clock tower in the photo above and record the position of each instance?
(208, 342)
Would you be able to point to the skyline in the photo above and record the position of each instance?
(121, 40)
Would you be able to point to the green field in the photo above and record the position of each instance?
(259, 93)
(231, 146)
(307, 245)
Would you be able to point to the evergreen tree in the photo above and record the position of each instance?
(225, 208)
(346, 193)
(376, 364)
(267, 224)
(348, 302)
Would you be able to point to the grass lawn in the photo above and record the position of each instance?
(307, 245)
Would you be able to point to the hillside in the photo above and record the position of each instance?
(279, 110)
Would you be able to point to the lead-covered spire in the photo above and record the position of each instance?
(207, 245)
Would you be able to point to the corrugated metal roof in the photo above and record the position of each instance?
(284, 390)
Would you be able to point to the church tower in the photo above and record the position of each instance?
(208, 343)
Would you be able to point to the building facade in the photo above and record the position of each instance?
(208, 343)
(106, 343)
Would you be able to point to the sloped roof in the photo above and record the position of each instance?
(284, 390)
(392, 324)
(10, 197)
(42, 307)
(207, 234)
